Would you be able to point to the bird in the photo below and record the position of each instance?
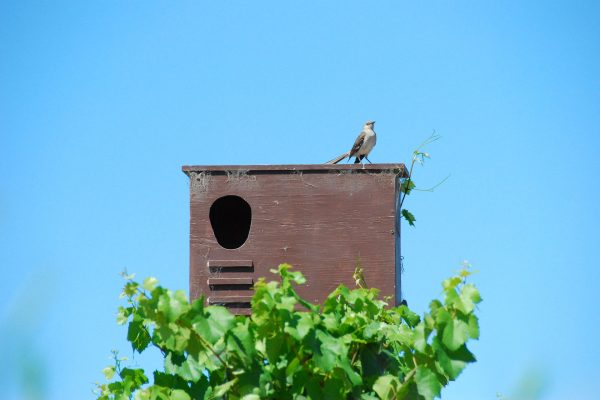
(363, 145)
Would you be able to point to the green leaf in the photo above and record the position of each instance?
(442, 317)
(313, 388)
(173, 337)
(402, 334)
(453, 362)
(138, 336)
(292, 367)
(471, 292)
(373, 329)
(169, 380)
(241, 341)
(473, 327)
(455, 334)
(297, 277)
(408, 217)
(123, 315)
(142, 394)
(451, 283)
(179, 394)
(331, 322)
(213, 326)
(411, 318)
(150, 283)
(352, 375)
(330, 349)
(427, 382)
(172, 305)
(333, 388)
(201, 389)
(420, 341)
(130, 289)
(224, 388)
(136, 377)
(190, 370)
(108, 372)
(451, 367)
(304, 325)
(368, 396)
(468, 298)
(386, 387)
(407, 186)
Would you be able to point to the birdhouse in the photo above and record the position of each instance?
(323, 219)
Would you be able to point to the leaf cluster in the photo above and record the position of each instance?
(351, 346)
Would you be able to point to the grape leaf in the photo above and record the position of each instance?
(408, 217)
(455, 334)
(428, 384)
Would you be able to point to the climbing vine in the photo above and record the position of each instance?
(407, 185)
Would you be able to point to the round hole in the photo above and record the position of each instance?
(230, 218)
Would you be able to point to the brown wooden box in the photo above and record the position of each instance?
(323, 219)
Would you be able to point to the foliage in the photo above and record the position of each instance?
(352, 346)
(407, 185)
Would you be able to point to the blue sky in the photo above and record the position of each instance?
(102, 102)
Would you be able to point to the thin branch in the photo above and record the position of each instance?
(407, 182)
(431, 189)
(212, 350)
(432, 138)
(416, 154)
(408, 377)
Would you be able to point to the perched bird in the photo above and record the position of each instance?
(363, 145)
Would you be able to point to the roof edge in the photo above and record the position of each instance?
(395, 168)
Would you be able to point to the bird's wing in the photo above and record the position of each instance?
(358, 143)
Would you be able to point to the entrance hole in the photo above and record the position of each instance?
(230, 218)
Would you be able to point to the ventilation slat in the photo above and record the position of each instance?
(230, 284)
(240, 310)
(224, 264)
(229, 299)
(230, 281)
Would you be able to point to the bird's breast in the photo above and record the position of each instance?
(369, 143)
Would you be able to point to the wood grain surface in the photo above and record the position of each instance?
(323, 222)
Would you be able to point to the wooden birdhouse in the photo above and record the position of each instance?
(323, 219)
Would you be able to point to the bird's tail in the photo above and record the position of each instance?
(338, 158)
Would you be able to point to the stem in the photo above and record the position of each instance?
(408, 180)
(354, 357)
(408, 377)
(212, 350)
(432, 138)
(433, 187)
